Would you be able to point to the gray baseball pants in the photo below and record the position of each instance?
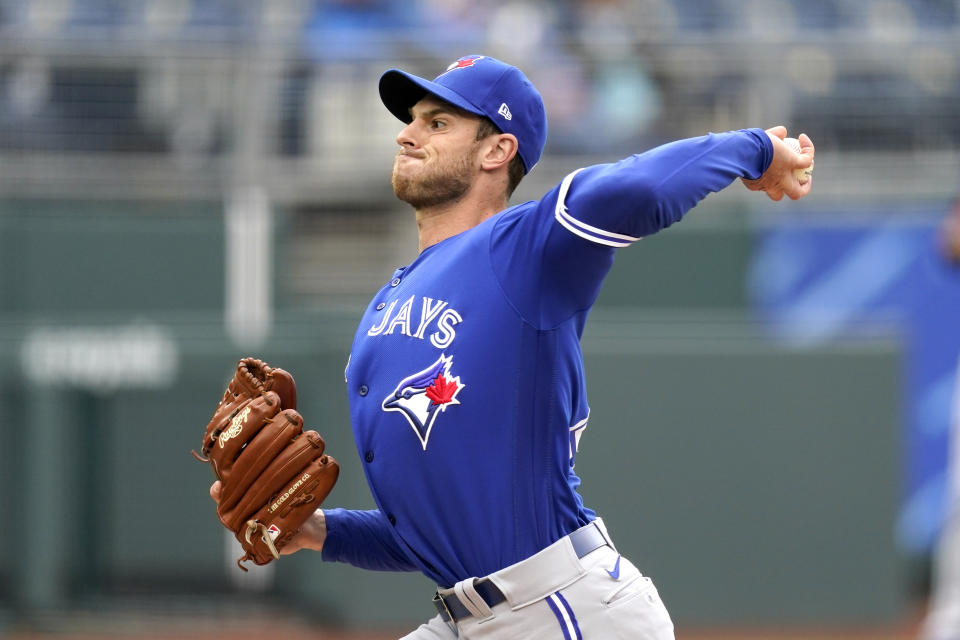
(555, 595)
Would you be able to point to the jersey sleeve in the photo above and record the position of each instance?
(565, 242)
(617, 204)
(364, 539)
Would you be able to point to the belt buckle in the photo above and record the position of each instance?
(442, 607)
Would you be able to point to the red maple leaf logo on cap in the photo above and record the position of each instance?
(442, 390)
(462, 63)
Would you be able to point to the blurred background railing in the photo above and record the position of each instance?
(158, 99)
(186, 181)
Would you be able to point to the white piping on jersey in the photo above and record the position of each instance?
(576, 431)
(583, 229)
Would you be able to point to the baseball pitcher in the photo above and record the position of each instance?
(466, 380)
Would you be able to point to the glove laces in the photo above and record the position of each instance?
(255, 526)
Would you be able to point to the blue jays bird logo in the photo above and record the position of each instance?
(424, 395)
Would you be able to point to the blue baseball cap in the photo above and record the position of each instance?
(483, 86)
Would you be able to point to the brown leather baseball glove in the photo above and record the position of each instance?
(273, 474)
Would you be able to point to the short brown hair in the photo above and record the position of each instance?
(516, 170)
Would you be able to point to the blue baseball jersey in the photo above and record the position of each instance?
(466, 379)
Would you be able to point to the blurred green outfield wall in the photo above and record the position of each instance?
(119, 258)
(754, 483)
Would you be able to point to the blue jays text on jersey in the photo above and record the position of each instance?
(431, 311)
(466, 381)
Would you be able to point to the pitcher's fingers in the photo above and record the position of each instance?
(795, 192)
(806, 146)
(215, 490)
(775, 193)
(779, 131)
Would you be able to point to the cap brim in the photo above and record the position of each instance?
(400, 90)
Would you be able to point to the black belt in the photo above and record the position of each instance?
(451, 609)
(585, 539)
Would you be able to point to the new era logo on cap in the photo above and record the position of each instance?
(481, 85)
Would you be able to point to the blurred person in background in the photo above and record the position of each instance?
(943, 618)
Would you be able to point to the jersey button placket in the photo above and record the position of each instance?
(381, 306)
(363, 390)
(395, 282)
(368, 456)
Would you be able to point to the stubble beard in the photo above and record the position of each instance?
(432, 186)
